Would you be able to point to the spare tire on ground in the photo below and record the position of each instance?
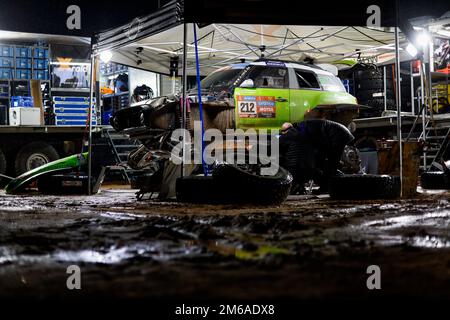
(2, 164)
(252, 187)
(434, 181)
(233, 184)
(364, 187)
(199, 189)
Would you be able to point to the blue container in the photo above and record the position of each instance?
(71, 122)
(40, 75)
(23, 52)
(71, 99)
(106, 115)
(23, 63)
(40, 53)
(23, 74)
(21, 101)
(40, 64)
(6, 62)
(6, 73)
(6, 51)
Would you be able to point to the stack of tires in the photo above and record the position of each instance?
(370, 91)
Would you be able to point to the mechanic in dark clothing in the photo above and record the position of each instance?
(312, 149)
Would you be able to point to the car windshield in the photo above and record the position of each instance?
(221, 78)
(331, 83)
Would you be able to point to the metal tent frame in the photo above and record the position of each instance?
(171, 17)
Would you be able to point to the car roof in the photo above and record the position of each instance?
(291, 64)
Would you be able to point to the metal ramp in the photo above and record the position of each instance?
(120, 145)
(437, 136)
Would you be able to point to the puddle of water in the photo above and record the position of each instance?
(431, 242)
(409, 220)
(119, 216)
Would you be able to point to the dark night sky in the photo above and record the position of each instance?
(49, 16)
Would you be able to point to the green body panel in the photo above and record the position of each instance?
(302, 101)
(348, 62)
(299, 102)
(65, 163)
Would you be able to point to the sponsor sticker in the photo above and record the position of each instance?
(256, 107)
(275, 64)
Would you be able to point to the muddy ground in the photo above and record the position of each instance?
(311, 248)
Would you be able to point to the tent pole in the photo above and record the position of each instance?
(184, 84)
(424, 111)
(398, 96)
(91, 99)
(199, 94)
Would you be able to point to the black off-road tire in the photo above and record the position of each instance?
(200, 189)
(230, 185)
(2, 164)
(370, 94)
(44, 150)
(434, 181)
(371, 74)
(377, 107)
(374, 84)
(253, 188)
(364, 187)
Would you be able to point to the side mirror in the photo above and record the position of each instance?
(247, 84)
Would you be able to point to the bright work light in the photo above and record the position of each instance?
(106, 56)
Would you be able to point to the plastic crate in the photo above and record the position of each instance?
(40, 64)
(6, 73)
(6, 51)
(106, 115)
(21, 101)
(23, 63)
(41, 75)
(6, 62)
(23, 74)
(23, 52)
(40, 53)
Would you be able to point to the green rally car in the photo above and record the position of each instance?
(268, 93)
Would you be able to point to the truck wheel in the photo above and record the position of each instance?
(2, 164)
(434, 181)
(34, 155)
(364, 187)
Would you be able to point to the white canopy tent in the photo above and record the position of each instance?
(222, 44)
(152, 42)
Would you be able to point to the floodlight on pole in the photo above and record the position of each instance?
(106, 56)
(411, 49)
(423, 39)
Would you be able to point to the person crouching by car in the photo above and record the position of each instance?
(312, 149)
(296, 157)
